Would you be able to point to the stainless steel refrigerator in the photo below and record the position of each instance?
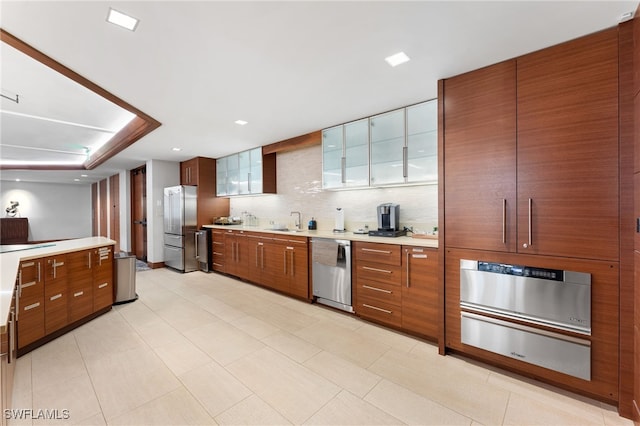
(180, 227)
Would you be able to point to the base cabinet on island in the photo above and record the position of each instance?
(397, 286)
(59, 292)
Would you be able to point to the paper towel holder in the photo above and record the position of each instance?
(339, 225)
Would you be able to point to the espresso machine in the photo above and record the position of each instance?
(388, 221)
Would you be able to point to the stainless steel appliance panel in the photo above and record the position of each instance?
(173, 240)
(554, 351)
(202, 246)
(563, 302)
(173, 257)
(180, 220)
(331, 277)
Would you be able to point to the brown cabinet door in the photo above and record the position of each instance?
(568, 149)
(80, 268)
(31, 278)
(189, 172)
(236, 254)
(420, 313)
(102, 283)
(30, 319)
(480, 158)
(273, 274)
(297, 268)
(55, 292)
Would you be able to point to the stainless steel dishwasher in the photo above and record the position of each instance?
(331, 278)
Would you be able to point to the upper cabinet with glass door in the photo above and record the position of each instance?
(395, 148)
(345, 155)
(421, 158)
(243, 173)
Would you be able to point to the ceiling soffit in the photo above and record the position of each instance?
(66, 134)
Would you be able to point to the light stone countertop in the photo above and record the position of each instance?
(10, 261)
(407, 241)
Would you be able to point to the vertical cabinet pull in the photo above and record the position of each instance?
(405, 161)
(529, 242)
(407, 261)
(504, 221)
(343, 169)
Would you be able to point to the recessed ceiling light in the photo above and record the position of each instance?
(397, 59)
(176, 149)
(122, 20)
(241, 122)
(76, 180)
(84, 175)
(17, 180)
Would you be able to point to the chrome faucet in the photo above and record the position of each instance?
(298, 222)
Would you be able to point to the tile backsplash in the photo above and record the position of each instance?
(299, 180)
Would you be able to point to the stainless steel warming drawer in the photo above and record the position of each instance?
(538, 296)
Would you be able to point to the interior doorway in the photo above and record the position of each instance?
(139, 212)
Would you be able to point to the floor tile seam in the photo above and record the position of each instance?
(93, 386)
(533, 395)
(287, 355)
(157, 398)
(432, 401)
(253, 394)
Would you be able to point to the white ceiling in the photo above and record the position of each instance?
(288, 68)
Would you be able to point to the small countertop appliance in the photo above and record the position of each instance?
(388, 221)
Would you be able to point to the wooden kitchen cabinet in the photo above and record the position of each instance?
(295, 266)
(536, 137)
(80, 284)
(236, 254)
(218, 250)
(377, 273)
(420, 310)
(8, 355)
(246, 172)
(102, 282)
(201, 172)
(31, 278)
(56, 293)
(189, 172)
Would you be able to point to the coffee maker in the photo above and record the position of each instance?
(388, 221)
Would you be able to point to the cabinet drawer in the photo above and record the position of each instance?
(31, 279)
(389, 254)
(382, 292)
(379, 311)
(80, 303)
(55, 307)
(102, 294)
(388, 274)
(30, 320)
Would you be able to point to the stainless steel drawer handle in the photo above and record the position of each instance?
(32, 283)
(419, 256)
(103, 285)
(80, 293)
(57, 296)
(28, 265)
(377, 289)
(376, 251)
(377, 309)
(376, 269)
(32, 306)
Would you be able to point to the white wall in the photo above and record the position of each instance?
(299, 175)
(160, 174)
(55, 211)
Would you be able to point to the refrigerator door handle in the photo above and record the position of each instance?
(197, 234)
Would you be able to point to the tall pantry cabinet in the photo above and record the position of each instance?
(530, 166)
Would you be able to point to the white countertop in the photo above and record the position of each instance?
(9, 262)
(407, 241)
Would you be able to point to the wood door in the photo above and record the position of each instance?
(114, 206)
(56, 292)
(276, 260)
(95, 210)
(139, 212)
(298, 268)
(420, 311)
(480, 158)
(568, 149)
(80, 268)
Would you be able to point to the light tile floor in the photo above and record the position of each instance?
(206, 349)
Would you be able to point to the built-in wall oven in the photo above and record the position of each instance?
(515, 311)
